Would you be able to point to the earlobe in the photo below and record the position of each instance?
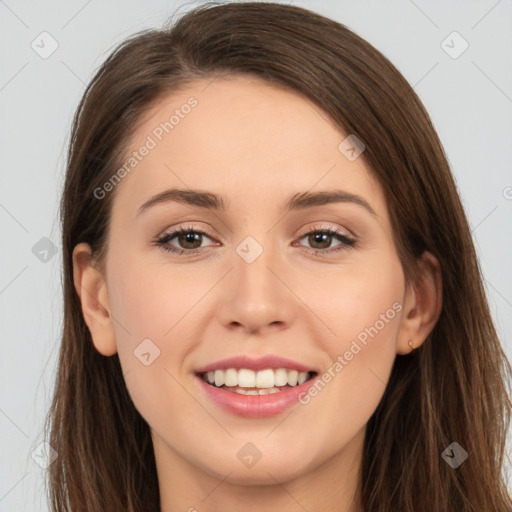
(91, 288)
(422, 308)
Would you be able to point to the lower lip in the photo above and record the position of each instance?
(256, 406)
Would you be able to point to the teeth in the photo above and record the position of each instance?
(292, 377)
(281, 377)
(219, 378)
(302, 377)
(267, 379)
(231, 377)
(242, 391)
(246, 378)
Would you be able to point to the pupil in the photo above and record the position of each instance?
(319, 238)
(190, 238)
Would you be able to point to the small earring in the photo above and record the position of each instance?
(412, 346)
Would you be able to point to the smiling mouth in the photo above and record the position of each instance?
(249, 382)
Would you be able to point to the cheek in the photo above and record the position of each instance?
(147, 306)
(357, 297)
(363, 311)
(145, 298)
(363, 308)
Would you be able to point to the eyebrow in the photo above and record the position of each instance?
(212, 201)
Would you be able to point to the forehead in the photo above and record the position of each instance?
(244, 139)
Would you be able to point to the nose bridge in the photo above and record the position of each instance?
(253, 268)
(255, 297)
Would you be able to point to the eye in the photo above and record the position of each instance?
(190, 240)
(188, 237)
(321, 238)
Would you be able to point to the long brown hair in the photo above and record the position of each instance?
(454, 388)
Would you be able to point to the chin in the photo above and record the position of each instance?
(264, 472)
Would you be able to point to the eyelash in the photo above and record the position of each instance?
(347, 242)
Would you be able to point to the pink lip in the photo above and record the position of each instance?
(255, 406)
(255, 364)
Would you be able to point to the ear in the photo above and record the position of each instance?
(422, 305)
(92, 291)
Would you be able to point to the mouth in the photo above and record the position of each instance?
(245, 381)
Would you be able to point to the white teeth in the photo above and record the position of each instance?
(231, 377)
(271, 391)
(246, 378)
(219, 378)
(303, 376)
(281, 377)
(267, 379)
(292, 377)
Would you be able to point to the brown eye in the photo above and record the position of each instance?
(322, 239)
(189, 240)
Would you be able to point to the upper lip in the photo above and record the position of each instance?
(259, 363)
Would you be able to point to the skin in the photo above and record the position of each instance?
(256, 145)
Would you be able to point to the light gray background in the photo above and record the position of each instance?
(468, 98)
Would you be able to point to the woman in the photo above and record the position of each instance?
(272, 298)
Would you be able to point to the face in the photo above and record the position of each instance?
(318, 284)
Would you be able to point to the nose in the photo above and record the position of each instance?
(255, 295)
